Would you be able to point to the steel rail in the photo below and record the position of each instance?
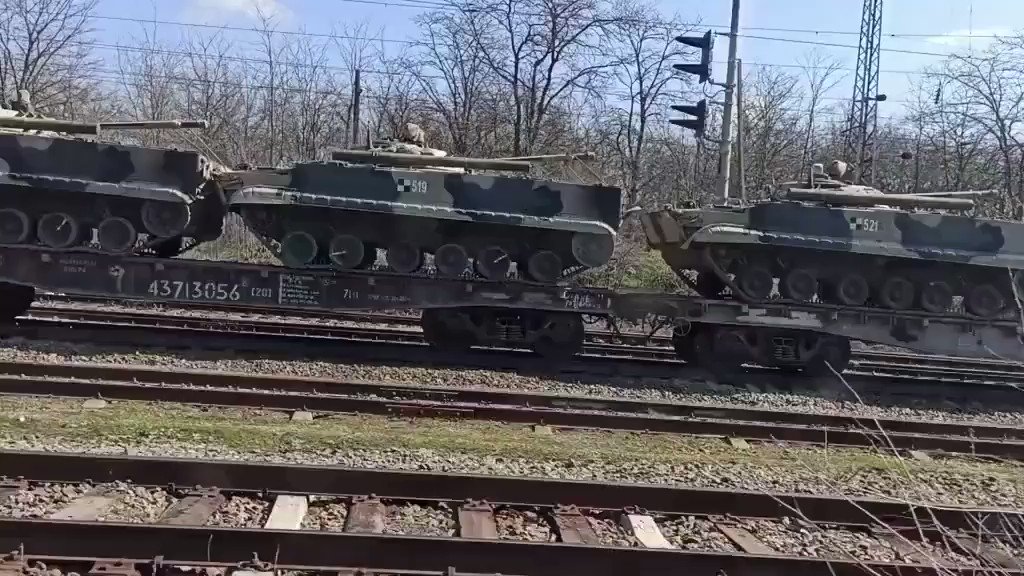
(330, 396)
(305, 548)
(866, 362)
(638, 339)
(17, 564)
(298, 549)
(891, 384)
(302, 479)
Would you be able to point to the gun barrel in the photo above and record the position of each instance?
(413, 160)
(899, 200)
(49, 124)
(957, 193)
(567, 156)
(153, 124)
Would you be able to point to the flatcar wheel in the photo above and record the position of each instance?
(561, 336)
(709, 285)
(834, 352)
(298, 248)
(936, 296)
(896, 293)
(852, 290)
(451, 260)
(347, 251)
(165, 219)
(116, 235)
(493, 263)
(441, 335)
(404, 257)
(15, 299)
(683, 343)
(59, 230)
(984, 300)
(756, 281)
(544, 266)
(15, 226)
(799, 284)
(592, 250)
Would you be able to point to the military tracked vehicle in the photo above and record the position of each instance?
(829, 240)
(65, 191)
(414, 201)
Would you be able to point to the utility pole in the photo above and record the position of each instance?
(741, 168)
(725, 145)
(357, 91)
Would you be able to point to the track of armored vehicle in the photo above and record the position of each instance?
(827, 240)
(63, 191)
(338, 213)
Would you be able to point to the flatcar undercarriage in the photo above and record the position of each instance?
(717, 334)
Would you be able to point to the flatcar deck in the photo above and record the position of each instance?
(180, 280)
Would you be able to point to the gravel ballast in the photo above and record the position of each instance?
(241, 512)
(675, 390)
(480, 447)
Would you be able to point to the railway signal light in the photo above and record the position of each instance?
(699, 111)
(706, 43)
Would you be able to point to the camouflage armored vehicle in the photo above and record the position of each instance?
(338, 212)
(64, 191)
(829, 240)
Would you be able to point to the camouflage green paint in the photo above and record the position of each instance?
(850, 247)
(550, 229)
(49, 163)
(868, 231)
(436, 194)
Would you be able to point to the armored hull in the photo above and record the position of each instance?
(338, 214)
(834, 250)
(66, 192)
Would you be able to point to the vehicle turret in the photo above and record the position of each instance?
(418, 160)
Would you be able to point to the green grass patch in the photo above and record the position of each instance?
(134, 423)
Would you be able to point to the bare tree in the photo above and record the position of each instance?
(271, 50)
(452, 74)
(392, 94)
(211, 92)
(542, 50)
(645, 49)
(991, 86)
(316, 119)
(822, 73)
(149, 77)
(358, 50)
(772, 111)
(42, 49)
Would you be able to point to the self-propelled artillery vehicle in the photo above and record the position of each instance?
(413, 201)
(64, 188)
(832, 241)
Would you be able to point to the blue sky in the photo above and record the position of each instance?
(946, 20)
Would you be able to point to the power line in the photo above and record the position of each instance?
(289, 63)
(254, 30)
(851, 46)
(448, 6)
(413, 42)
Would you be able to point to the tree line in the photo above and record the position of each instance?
(496, 78)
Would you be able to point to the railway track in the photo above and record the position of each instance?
(589, 528)
(323, 396)
(600, 356)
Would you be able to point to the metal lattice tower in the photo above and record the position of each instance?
(863, 124)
